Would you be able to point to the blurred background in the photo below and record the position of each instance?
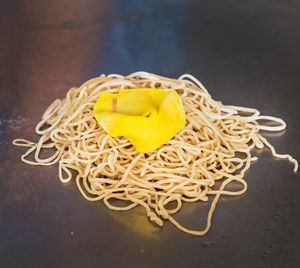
(245, 52)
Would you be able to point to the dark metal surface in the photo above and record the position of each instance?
(245, 52)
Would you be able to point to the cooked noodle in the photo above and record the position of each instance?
(215, 145)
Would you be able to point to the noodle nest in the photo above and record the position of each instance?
(215, 145)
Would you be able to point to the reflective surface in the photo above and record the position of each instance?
(245, 53)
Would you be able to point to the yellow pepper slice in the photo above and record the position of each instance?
(147, 117)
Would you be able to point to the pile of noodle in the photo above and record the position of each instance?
(215, 145)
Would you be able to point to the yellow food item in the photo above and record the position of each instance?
(147, 117)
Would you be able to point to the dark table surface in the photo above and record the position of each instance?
(245, 52)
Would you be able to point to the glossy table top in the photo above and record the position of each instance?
(245, 52)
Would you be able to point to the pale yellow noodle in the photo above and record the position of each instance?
(215, 144)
